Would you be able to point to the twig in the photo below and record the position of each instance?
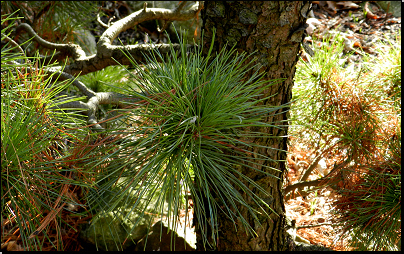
(315, 163)
(71, 49)
(63, 76)
(143, 15)
(315, 225)
(110, 21)
(316, 183)
(100, 21)
(312, 166)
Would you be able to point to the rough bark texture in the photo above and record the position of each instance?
(274, 30)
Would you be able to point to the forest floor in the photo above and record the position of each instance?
(313, 213)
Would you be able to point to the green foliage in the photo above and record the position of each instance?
(387, 71)
(343, 108)
(190, 131)
(36, 170)
(105, 80)
(371, 208)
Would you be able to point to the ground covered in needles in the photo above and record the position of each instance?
(363, 26)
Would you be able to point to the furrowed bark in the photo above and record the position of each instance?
(272, 31)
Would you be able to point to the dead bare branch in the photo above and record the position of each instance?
(326, 180)
(100, 21)
(70, 49)
(108, 54)
(315, 225)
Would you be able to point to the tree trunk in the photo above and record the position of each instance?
(274, 30)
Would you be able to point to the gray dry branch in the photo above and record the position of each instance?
(108, 55)
(318, 183)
